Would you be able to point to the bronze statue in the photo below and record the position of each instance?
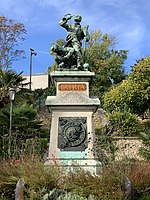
(70, 55)
(64, 57)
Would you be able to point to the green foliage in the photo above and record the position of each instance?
(114, 98)
(105, 149)
(36, 97)
(8, 79)
(129, 98)
(106, 186)
(145, 137)
(70, 196)
(55, 194)
(31, 146)
(40, 96)
(24, 120)
(25, 126)
(133, 93)
(124, 123)
(145, 197)
(36, 146)
(32, 170)
(45, 181)
(58, 194)
(105, 61)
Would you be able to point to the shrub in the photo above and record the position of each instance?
(70, 196)
(145, 137)
(33, 171)
(124, 123)
(105, 149)
(140, 177)
(57, 194)
(79, 184)
(104, 187)
(31, 146)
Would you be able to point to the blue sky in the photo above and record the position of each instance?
(128, 20)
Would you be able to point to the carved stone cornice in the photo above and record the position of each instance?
(71, 98)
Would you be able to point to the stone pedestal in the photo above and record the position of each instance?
(72, 135)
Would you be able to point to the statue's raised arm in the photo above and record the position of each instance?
(75, 34)
(64, 20)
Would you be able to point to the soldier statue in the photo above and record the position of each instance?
(76, 33)
(72, 49)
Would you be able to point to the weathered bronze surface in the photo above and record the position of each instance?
(70, 55)
(72, 133)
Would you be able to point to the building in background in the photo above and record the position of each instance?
(38, 81)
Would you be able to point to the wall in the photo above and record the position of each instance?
(128, 147)
(39, 81)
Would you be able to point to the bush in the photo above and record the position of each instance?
(145, 137)
(33, 171)
(104, 187)
(124, 123)
(79, 184)
(57, 194)
(31, 146)
(105, 149)
(140, 177)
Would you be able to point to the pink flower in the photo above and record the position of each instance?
(17, 161)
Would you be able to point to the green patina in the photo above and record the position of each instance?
(73, 155)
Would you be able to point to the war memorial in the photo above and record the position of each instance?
(72, 135)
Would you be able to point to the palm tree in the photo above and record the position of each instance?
(24, 120)
(25, 126)
(9, 79)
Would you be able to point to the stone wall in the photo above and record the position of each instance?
(100, 119)
(128, 147)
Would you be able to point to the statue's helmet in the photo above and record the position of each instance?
(77, 18)
(55, 48)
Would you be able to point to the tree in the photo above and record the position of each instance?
(133, 93)
(123, 123)
(130, 99)
(10, 36)
(8, 79)
(25, 127)
(105, 61)
(24, 123)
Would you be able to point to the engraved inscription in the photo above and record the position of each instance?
(72, 87)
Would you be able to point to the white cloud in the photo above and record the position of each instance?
(17, 9)
(115, 3)
(123, 18)
(59, 6)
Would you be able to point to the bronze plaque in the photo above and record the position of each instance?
(72, 133)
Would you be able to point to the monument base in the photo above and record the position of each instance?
(91, 165)
(72, 135)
